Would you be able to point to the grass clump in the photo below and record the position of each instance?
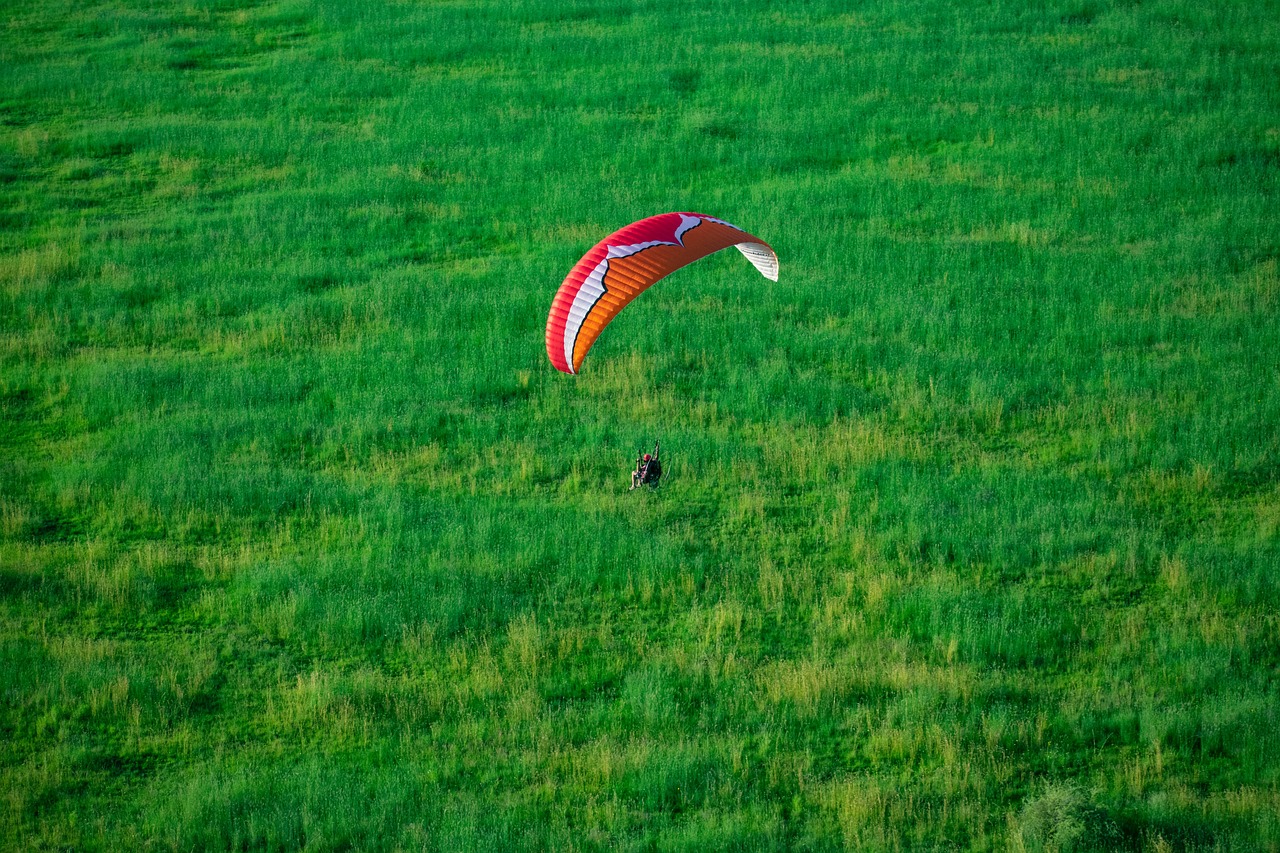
(1060, 818)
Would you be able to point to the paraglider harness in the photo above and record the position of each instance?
(649, 470)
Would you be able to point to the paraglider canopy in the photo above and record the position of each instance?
(621, 266)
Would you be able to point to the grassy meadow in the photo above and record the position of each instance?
(970, 538)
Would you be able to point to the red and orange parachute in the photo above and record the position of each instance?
(622, 265)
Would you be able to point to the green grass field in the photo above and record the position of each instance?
(971, 532)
